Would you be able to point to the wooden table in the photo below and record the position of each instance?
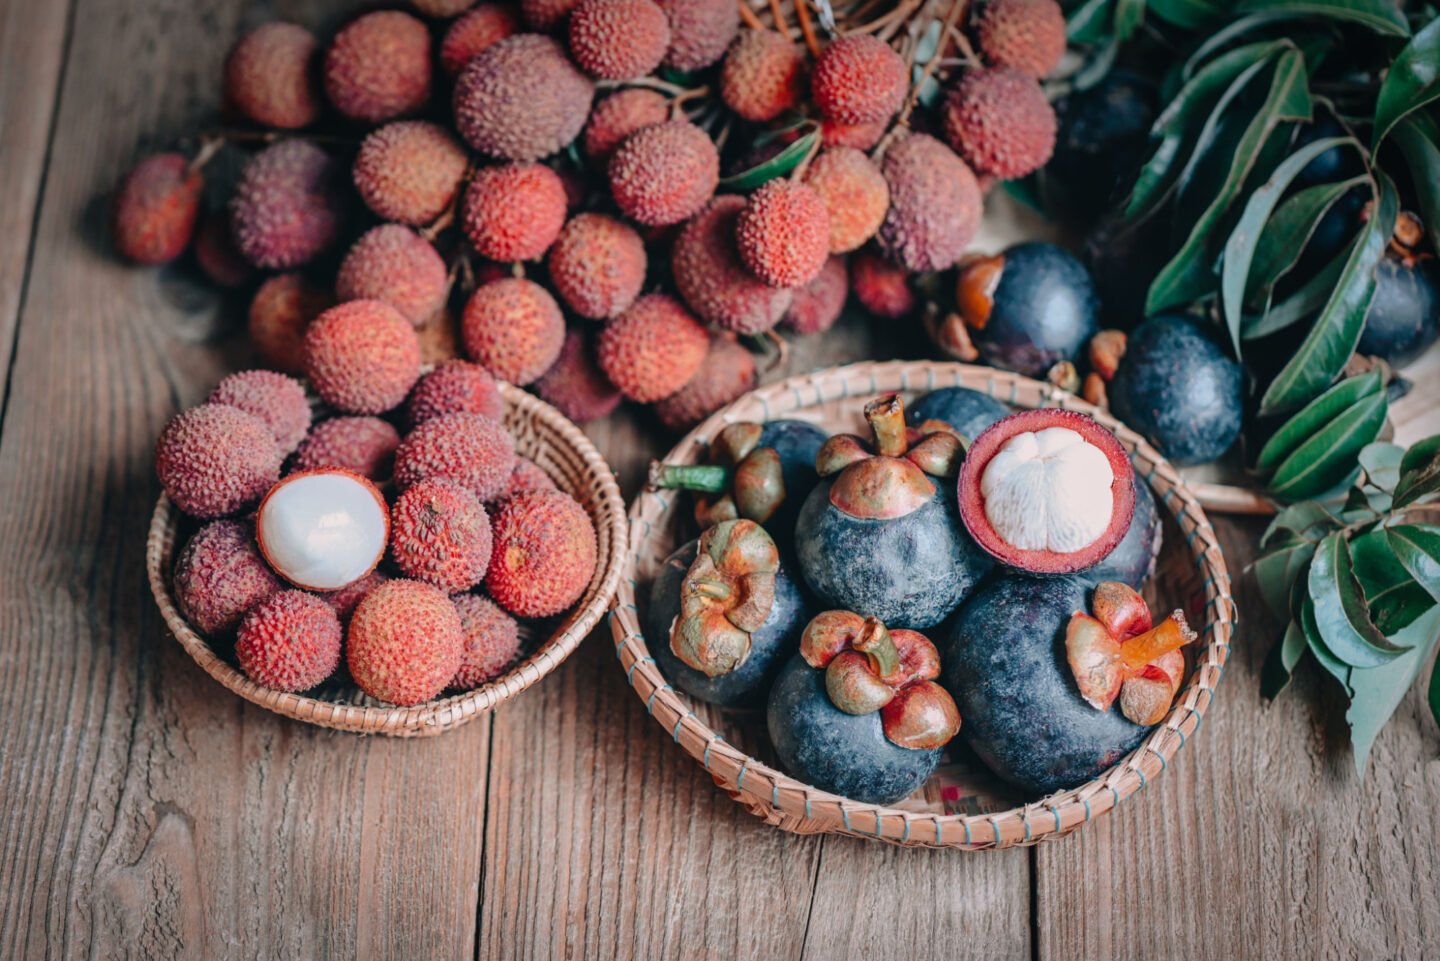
(145, 812)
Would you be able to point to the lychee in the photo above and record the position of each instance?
(405, 642)
(521, 99)
(575, 385)
(817, 305)
(323, 529)
(527, 476)
(514, 211)
(665, 173)
(287, 206)
(861, 136)
(700, 31)
(276, 399)
(289, 642)
(344, 601)
(469, 449)
(727, 372)
(220, 575)
(215, 459)
(441, 9)
(935, 204)
(455, 387)
(492, 641)
(440, 534)
(544, 554)
(155, 209)
(362, 357)
(394, 264)
(439, 338)
(618, 39)
(712, 279)
(546, 15)
(513, 328)
(652, 349)
(217, 256)
(999, 120)
(280, 313)
(378, 67)
(482, 27)
(597, 265)
(783, 234)
(882, 287)
(763, 76)
(365, 445)
(270, 76)
(618, 116)
(859, 79)
(409, 171)
(855, 195)
(1028, 35)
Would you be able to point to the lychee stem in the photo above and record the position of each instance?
(876, 643)
(887, 422)
(700, 478)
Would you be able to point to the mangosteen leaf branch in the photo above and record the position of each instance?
(1189, 14)
(1328, 458)
(1434, 692)
(1417, 549)
(1421, 150)
(1277, 572)
(1280, 662)
(1287, 233)
(1332, 339)
(1341, 615)
(1378, 691)
(1382, 16)
(1412, 81)
(1335, 667)
(1129, 15)
(1314, 416)
(1221, 38)
(1090, 23)
(1394, 598)
(1381, 463)
(1313, 295)
(777, 166)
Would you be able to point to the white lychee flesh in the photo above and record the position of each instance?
(1048, 490)
(323, 530)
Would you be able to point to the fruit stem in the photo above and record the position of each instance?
(876, 643)
(700, 478)
(1169, 635)
(715, 590)
(887, 421)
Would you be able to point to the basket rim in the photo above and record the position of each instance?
(793, 805)
(437, 716)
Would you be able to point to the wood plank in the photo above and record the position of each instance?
(1260, 841)
(144, 810)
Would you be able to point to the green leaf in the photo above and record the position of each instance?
(1337, 668)
(1276, 574)
(1332, 340)
(1417, 548)
(1188, 14)
(1381, 463)
(777, 166)
(1399, 608)
(1419, 473)
(1434, 693)
(1329, 457)
(1302, 303)
(1129, 14)
(1240, 247)
(1188, 275)
(1422, 156)
(1382, 16)
(1281, 661)
(1287, 233)
(1221, 38)
(1315, 415)
(1307, 521)
(1341, 614)
(1412, 81)
(1378, 691)
(1089, 23)
(1421, 455)
(1395, 600)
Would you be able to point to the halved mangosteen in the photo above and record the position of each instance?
(1047, 491)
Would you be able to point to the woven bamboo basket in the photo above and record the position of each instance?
(950, 811)
(545, 436)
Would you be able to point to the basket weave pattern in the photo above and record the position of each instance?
(832, 398)
(545, 436)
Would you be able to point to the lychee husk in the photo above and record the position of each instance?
(741, 480)
(726, 597)
(886, 476)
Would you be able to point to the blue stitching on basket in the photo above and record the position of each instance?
(1087, 809)
(1136, 768)
(939, 838)
(675, 734)
(1116, 793)
(995, 826)
(905, 835)
(740, 780)
(775, 794)
(1151, 476)
(966, 822)
(631, 670)
(1190, 537)
(651, 698)
(706, 762)
(1163, 763)
(1055, 810)
(1026, 821)
(807, 804)
(764, 404)
(845, 816)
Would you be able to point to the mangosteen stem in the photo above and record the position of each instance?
(876, 643)
(700, 478)
(715, 590)
(887, 421)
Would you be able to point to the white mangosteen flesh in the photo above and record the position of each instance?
(322, 530)
(1048, 490)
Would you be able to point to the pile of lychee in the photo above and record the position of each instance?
(342, 548)
(599, 199)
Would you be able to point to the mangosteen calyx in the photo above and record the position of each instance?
(741, 479)
(886, 477)
(726, 596)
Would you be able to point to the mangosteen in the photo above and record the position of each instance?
(1336, 164)
(1102, 134)
(1404, 317)
(878, 535)
(1027, 308)
(966, 411)
(1005, 663)
(1177, 386)
(1124, 256)
(1133, 559)
(857, 711)
(1047, 491)
(721, 627)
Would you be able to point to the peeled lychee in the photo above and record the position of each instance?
(652, 349)
(154, 212)
(521, 99)
(289, 642)
(513, 328)
(277, 400)
(665, 173)
(362, 357)
(215, 459)
(469, 449)
(378, 67)
(409, 171)
(544, 554)
(492, 641)
(440, 534)
(514, 211)
(323, 529)
(405, 642)
(270, 76)
(394, 264)
(220, 575)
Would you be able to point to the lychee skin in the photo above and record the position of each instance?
(362, 357)
(215, 459)
(700, 31)
(597, 265)
(409, 171)
(280, 313)
(763, 76)
(344, 601)
(575, 385)
(664, 174)
(855, 194)
(999, 120)
(289, 642)
(727, 372)
(783, 234)
(277, 400)
(818, 304)
(441, 9)
(935, 204)
(527, 476)
(455, 387)
(473, 451)
(544, 554)
(440, 534)
(861, 136)
(1028, 35)
(521, 99)
(618, 39)
(220, 575)
(155, 209)
(405, 642)
(514, 211)
(513, 328)
(482, 27)
(378, 67)
(287, 206)
(217, 256)
(546, 15)
(396, 265)
(269, 76)
(882, 287)
(439, 338)
(618, 116)
(859, 79)
(364, 445)
(652, 349)
(714, 281)
(492, 641)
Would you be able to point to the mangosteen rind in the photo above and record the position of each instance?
(966, 410)
(1404, 317)
(1042, 311)
(1133, 560)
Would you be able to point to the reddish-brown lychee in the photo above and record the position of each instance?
(439, 338)
(1028, 35)
(289, 642)
(378, 67)
(783, 234)
(220, 575)
(513, 328)
(276, 399)
(882, 287)
(270, 76)
(665, 173)
(455, 387)
(935, 204)
(544, 554)
(470, 449)
(409, 171)
(855, 195)
(714, 282)
(575, 385)
(727, 372)
(597, 265)
(521, 99)
(859, 79)
(362, 357)
(482, 27)
(999, 120)
(618, 116)
(700, 31)
(365, 445)
(763, 76)
(287, 206)
(344, 601)
(281, 312)
(817, 305)
(440, 534)
(394, 264)
(405, 642)
(492, 641)
(217, 256)
(618, 39)
(514, 211)
(861, 136)
(527, 476)
(441, 9)
(155, 209)
(652, 349)
(215, 459)
(546, 15)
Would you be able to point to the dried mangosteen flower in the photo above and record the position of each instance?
(1116, 653)
(1106, 349)
(741, 479)
(726, 597)
(885, 477)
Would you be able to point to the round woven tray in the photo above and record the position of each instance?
(545, 436)
(1191, 574)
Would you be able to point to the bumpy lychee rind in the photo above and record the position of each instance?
(455, 387)
(712, 279)
(700, 31)
(618, 39)
(154, 212)
(441, 9)
(280, 313)
(482, 27)
(783, 234)
(882, 287)
(763, 76)
(365, 445)
(469, 449)
(405, 642)
(861, 136)
(935, 204)
(1028, 35)
(999, 120)
(287, 206)
(652, 349)
(396, 265)
(575, 385)
(215, 459)
(289, 642)
(727, 372)
(270, 76)
(409, 171)
(527, 476)
(855, 195)
(378, 67)
(544, 554)
(514, 211)
(665, 173)
(521, 99)
(817, 305)
(859, 79)
(597, 265)
(220, 575)
(346, 599)
(513, 328)
(440, 534)
(276, 399)
(618, 116)
(492, 641)
(362, 357)
(217, 256)
(546, 15)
